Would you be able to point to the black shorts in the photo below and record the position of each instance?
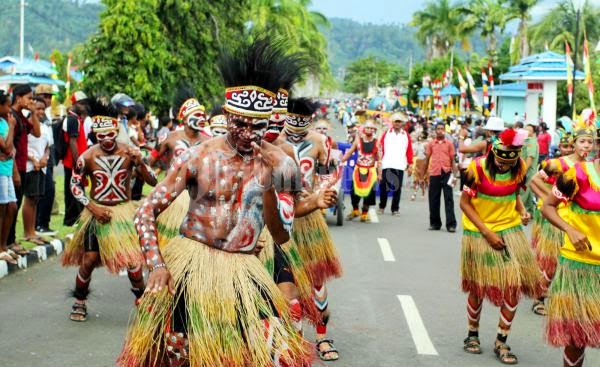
(34, 184)
(90, 241)
(282, 271)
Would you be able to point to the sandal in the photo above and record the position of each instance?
(18, 249)
(539, 308)
(35, 240)
(504, 354)
(472, 345)
(323, 353)
(6, 257)
(78, 312)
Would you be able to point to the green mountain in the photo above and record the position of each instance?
(49, 25)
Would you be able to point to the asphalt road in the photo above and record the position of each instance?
(369, 322)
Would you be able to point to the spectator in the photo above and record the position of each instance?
(440, 160)
(544, 140)
(530, 155)
(76, 139)
(38, 154)
(123, 103)
(22, 104)
(396, 157)
(166, 124)
(44, 206)
(8, 198)
(419, 171)
(44, 91)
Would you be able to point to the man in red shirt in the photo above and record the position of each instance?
(76, 140)
(544, 140)
(440, 160)
(22, 100)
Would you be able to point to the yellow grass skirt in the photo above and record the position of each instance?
(228, 297)
(169, 221)
(546, 241)
(574, 305)
(499, 275)
(117, 239)
(316, 248)
(301, 276)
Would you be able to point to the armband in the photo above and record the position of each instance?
(544, 175)
(469, 191)
(559, 195)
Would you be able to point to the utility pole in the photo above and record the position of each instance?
(22, 35)
(578, 14)
(410, 66)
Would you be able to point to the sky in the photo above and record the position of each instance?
(391, 11)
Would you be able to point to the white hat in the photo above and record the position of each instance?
(494, 124)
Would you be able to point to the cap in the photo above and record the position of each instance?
(43, 89)
(78, 96)
(494, 124)
(398, 117)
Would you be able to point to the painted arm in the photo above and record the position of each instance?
(307, 203)
(349, 151)
(141, 167)
(278, 213)
(77, 181)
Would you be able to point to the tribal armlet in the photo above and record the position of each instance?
(559, 195)
(469, 191)
(285, 208)
(77, 189)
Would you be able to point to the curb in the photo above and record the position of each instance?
(38, 254)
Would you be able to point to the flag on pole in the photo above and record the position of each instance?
(463, 92)
(491, 81)
(484, 85)
(472, 87)
(588, 73)
(569, 73)
(68, 77)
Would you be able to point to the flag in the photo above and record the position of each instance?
(569, 73)
(588, 73)
(484, 85)
(68, 83)
(464, 101)
(491, 81)
(472, 87)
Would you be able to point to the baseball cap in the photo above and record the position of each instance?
(78, 96)
(494, 124)
(43, 89)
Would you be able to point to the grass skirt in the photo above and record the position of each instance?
(117, 240)
(301, 276)
(170, 220)
(546, 241)
(574, 305)
(316, 248)
(499, 275)
(228, 296)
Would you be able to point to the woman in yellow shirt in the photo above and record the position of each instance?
(497, 262)
(574, 296)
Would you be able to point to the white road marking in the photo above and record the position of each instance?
(416, 326)
(386, 249)
(373, 215)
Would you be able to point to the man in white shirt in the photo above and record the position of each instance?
(396, 157)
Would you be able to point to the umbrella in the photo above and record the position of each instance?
(29, 79)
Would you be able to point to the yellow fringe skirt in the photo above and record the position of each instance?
(117, 240)
(574, 305)
(316, 248)
(499, 275)
(546, 241)
(301, 276)
(235, 314)
(169, 221)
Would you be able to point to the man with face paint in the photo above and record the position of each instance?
(105, 234)
(209, 300)
(311, 234)
(218, 121)
(546, 239)
(497, 263)
(366, 171)
(322, 127)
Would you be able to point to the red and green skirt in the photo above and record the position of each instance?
(573, 305)
(500, 275)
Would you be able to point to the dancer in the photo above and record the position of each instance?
(311, 234)
(419, 170)
(574, 296)
(497, 263)
(218, 121)
(105, 232)
(366, 172)
(546, 239)
(209, 300)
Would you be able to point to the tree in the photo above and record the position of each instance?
(522, 9)
(438, 27)
(293, 20)
(129, 54)
(487, 16)
(371, 71)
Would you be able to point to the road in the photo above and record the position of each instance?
(369, 322)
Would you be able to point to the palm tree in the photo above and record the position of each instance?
(522, 9)
(487, 16)
(438, 27)
(558, 27)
